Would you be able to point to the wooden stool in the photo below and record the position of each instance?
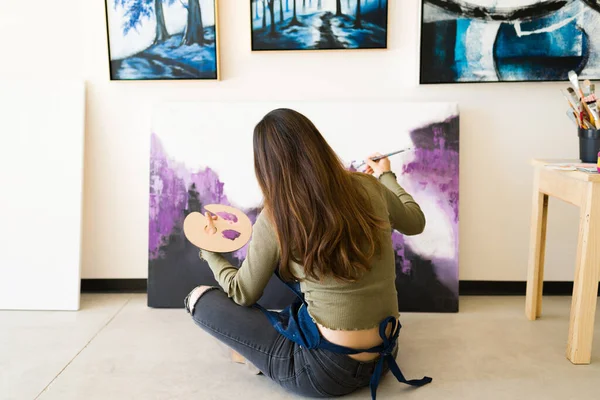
(583, 190)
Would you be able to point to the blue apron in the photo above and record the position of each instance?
(295, 324)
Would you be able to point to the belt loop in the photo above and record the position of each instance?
(359, 371)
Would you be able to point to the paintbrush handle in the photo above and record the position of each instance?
(572, 117)
(388, 155)
(377, 158)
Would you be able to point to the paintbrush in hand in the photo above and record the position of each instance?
(377, 158)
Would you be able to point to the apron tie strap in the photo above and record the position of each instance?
(389, 343)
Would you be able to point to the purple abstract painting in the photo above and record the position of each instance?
(174, 267)
(182, 182)
(424, 280)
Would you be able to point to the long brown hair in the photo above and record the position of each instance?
(322, 220)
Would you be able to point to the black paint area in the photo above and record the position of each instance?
(593, 4)
(421, 290)
(468, 10)
(438, 41)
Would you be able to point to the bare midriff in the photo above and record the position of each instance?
(362, 339)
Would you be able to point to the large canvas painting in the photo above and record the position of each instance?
(162, 39)
(509, 40)
(319, 24)
(201, 153)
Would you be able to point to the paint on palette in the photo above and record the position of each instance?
(508, 40)
(230, 234)
(231, 218)
(425, 280)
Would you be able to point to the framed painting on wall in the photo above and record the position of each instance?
(509, 40)
(162, 39)
(319, 24)
(200, 155)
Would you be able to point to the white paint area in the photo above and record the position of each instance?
(41, 176)
(219, 135)
(480, 37)
(551, 28)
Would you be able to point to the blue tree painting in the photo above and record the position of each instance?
(509, 40)
(162, 39)
(319, 24)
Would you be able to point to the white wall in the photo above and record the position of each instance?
(503, 126)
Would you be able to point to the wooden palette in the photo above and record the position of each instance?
(232, 229)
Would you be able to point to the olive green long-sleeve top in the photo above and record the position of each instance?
(333, 304)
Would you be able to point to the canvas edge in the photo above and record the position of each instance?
(218, 78)
(106, 21)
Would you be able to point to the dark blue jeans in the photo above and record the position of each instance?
(311, 373)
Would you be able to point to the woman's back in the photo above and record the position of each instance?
(349, 313)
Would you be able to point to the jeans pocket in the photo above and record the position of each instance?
(303, 384)
(335, 373)
(330, 385)
(337, 363)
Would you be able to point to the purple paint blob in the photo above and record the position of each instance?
(402, 256)
(230, 234)
(436, 168)
(228, 216)
(168, 196)
(437, 160)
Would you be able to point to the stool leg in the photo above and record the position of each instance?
(537, 250)
(587, 272)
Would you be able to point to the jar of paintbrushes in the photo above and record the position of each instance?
(584, 111)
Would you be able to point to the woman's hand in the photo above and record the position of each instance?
(377, 167)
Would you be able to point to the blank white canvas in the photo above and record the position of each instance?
(41, 174)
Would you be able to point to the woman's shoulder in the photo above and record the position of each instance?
(263, 221)
(368, 184)
(365, 180)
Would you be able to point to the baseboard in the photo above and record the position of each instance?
(466, 288)
(511, 288)
(114, 285)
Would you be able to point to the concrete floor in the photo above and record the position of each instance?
(117, 348)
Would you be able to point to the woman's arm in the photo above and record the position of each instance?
(405, 214)
(246, 284)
